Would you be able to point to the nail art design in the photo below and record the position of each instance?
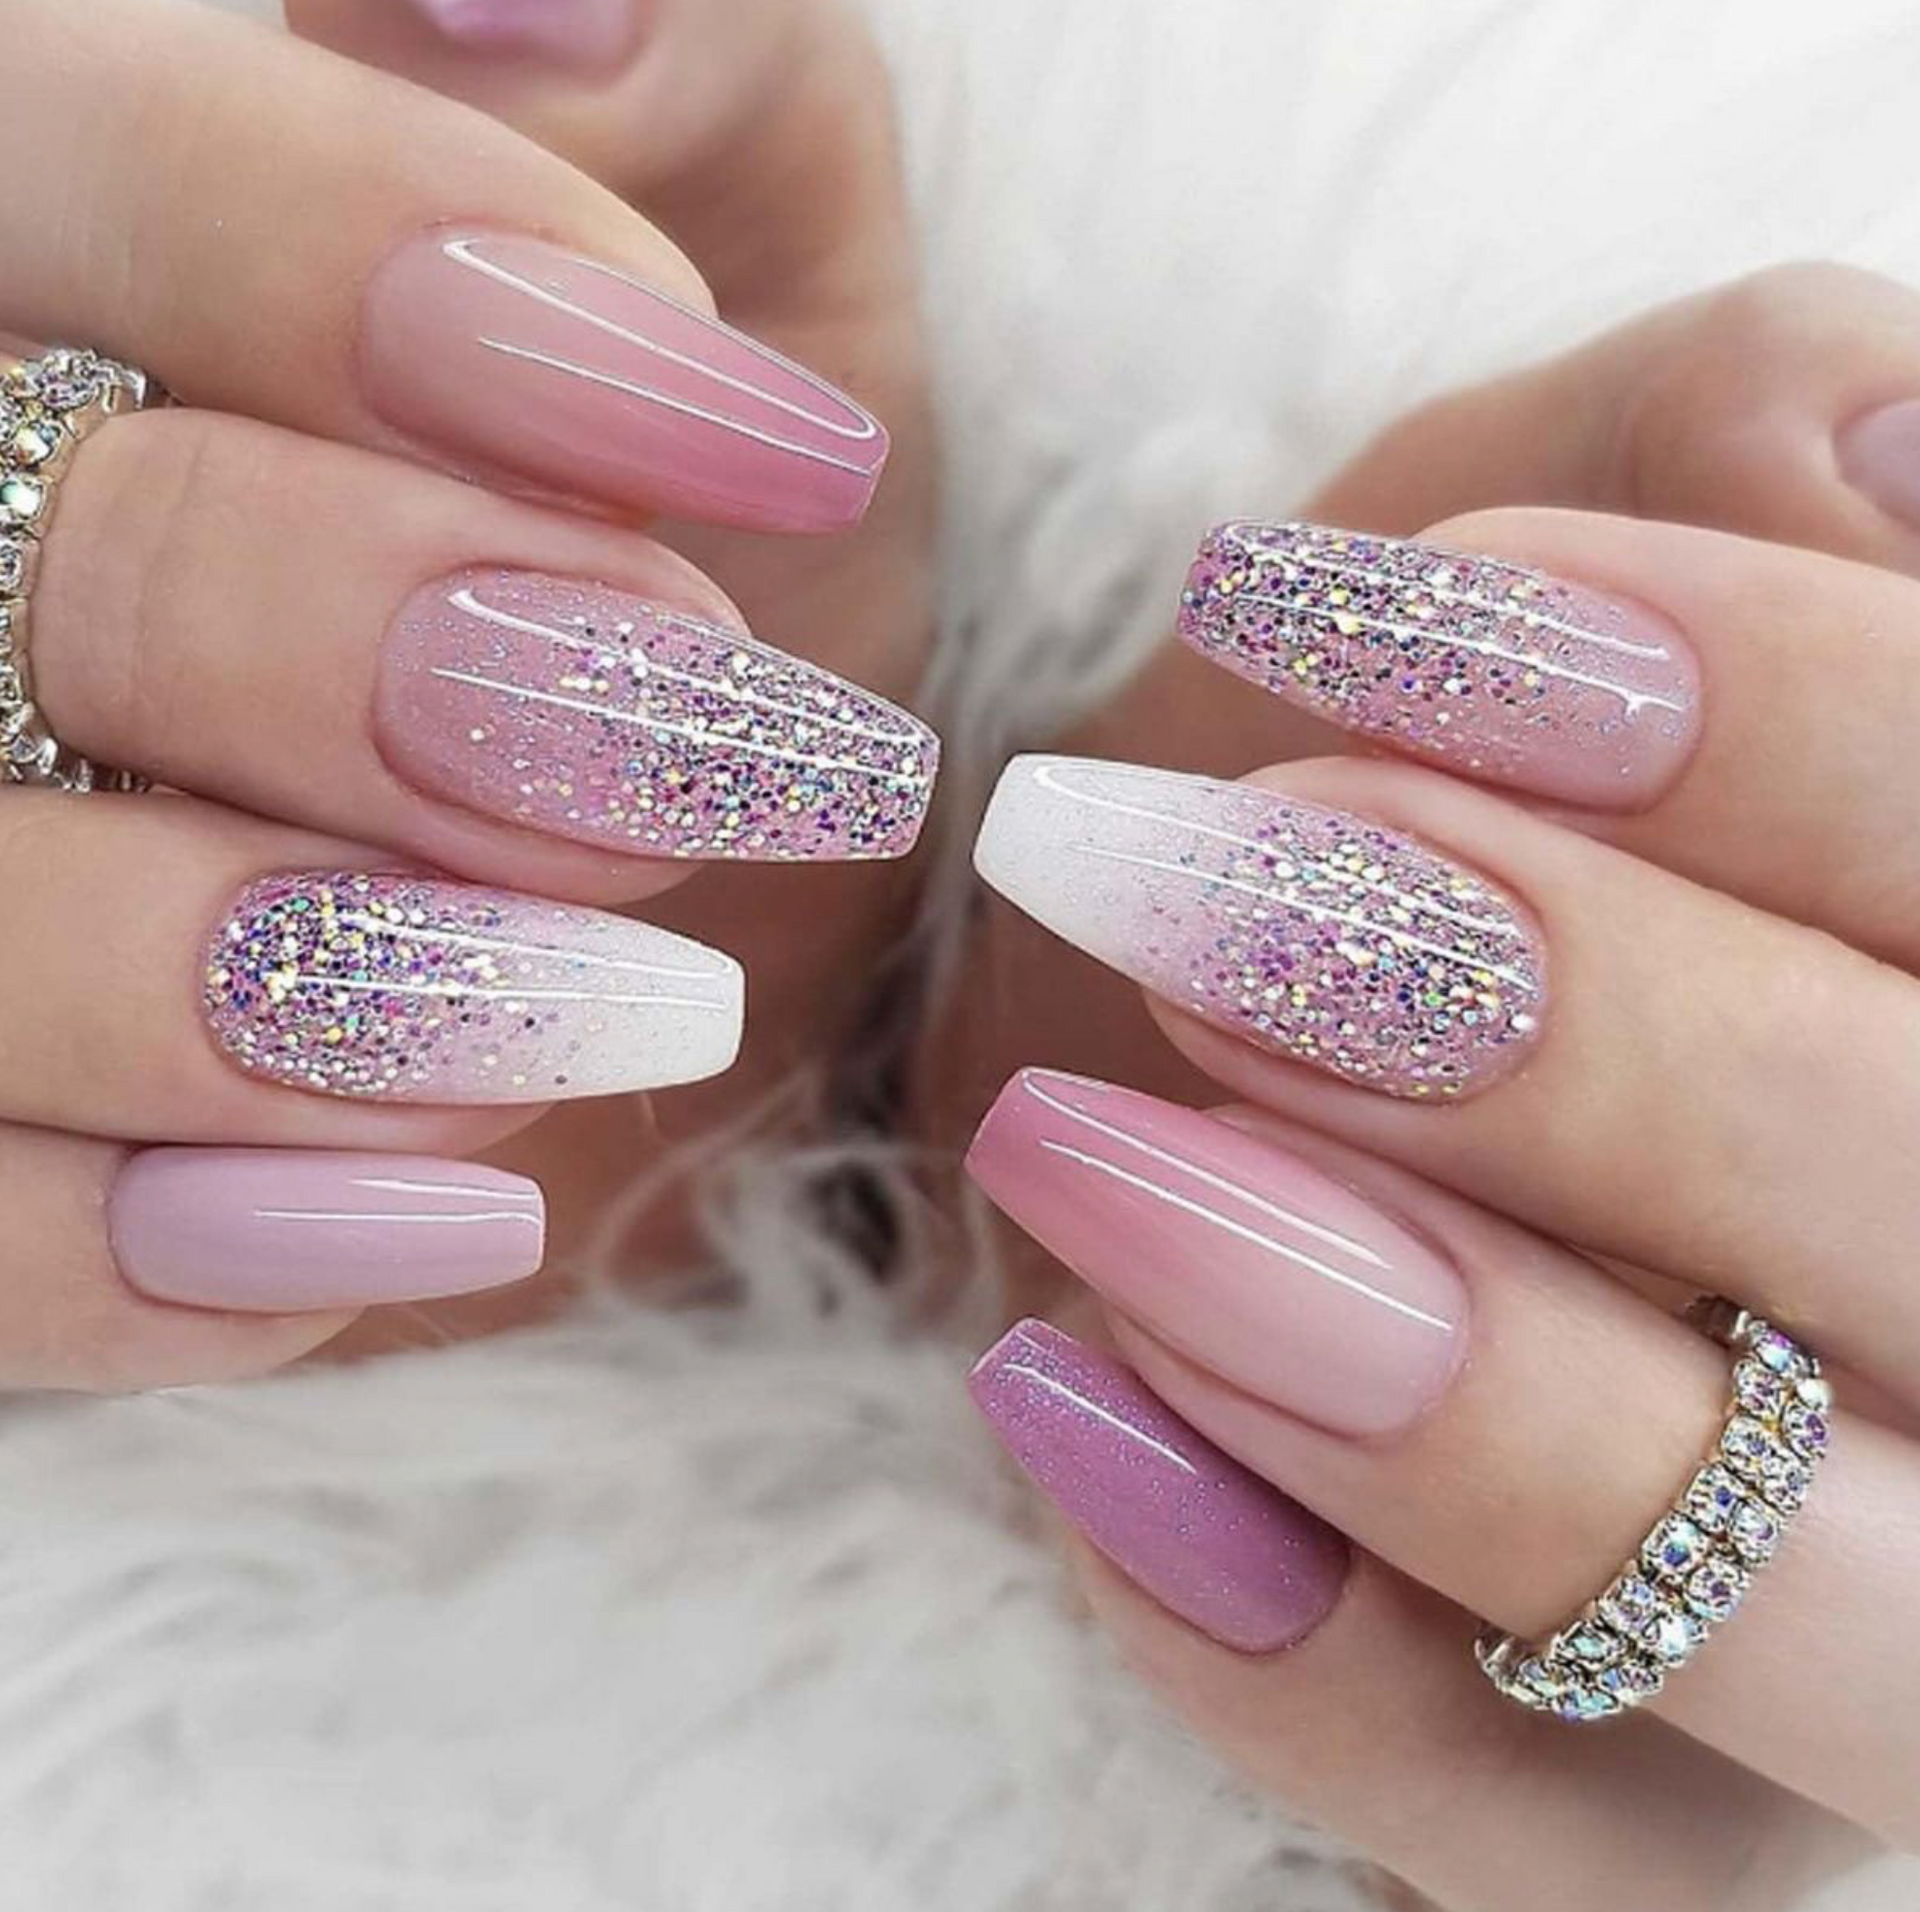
(414, 990)
(1321, 936)
(284, 1230)
(1230, 1249)
(581, 711)
(1209, 1540)
(1480, 665)
(586, 379)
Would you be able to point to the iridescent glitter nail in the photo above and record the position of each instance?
(1483, 666)
(1316, 934)
(589, 714)
(414, 990)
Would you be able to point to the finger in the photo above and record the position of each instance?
(1748, 705)
(176, 1266)
(1494, 1417)
(280, 193)
(1606, 1028)
(196, 976)
(1372, 1722)
(1781, 406)
(311, 632)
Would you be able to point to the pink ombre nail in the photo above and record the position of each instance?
(1239, 1255)
(1188, 1524)
(583, 712)
(529, 359)
(283, 1230)
(1485, 667)
(585, 33)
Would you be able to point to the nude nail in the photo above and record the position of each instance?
(532, 360)
(1229, 1249)
(284, 1230)
(1879, 455)
(585, 33)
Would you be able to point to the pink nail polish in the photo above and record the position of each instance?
(1478, 665)
(1188, 1524)
(1320, 936)
(1263, 1270)
(1879, 454)
(585, 713)
(585, 33)
(531, 360)
(404, 988)
(279, 1231)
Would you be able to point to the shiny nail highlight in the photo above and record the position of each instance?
(1185, 1522)
(533, 360)
(409, 989)
(280, 1231)
(1309, 932)
(587, 33)
(1470, 662)
(1258, 1267)
(587, 713)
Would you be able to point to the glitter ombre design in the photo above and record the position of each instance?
(583, 712)
(1482, 666)
(1310, 932)
(413, 990)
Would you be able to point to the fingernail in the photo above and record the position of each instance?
(1317, 935)
(1879, 454)
(1484, 667)
(587, 33)
(407, 989)
(585, 713)
(281, 1230)
(1263, 1270)
(1186, 1523)
(528, 359)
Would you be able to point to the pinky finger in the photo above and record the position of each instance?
(1367, 1718)
(171, 1266)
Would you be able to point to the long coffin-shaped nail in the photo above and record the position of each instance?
(586, 713)
(582, 33)
(1188, 1524)
(1482, 666)
(531, 360)
(284, 1230)
(1319, 935)
(1267, 1272)
(411, 989)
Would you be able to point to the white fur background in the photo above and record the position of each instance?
(739, 1614)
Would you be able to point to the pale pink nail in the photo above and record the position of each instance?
(1485, 667)
(580, 711)
(278, 1231)
(1208, 1539)
(531, 360)
(587, 33)
(1879, 454)
(1260, 1268)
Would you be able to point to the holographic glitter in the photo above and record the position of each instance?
(1319, 935)
(579, 711)
(409, 989)
(1479, 665)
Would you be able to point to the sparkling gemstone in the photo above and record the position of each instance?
(1713, 1496)
(1581, 1703)
(1747, 1444)
(23, 749)
(34, 440)
(1631, 1681)
(66, 380)
(21, 499)
(1758, 1389)
(11, 688)
(1806, 1429)
(1588, 1645)
(1815, 1393)
(1630, 1603)
(1537, 1683)
(1674, 1546)
(1714, 1590)
(1754, 1531)
(1674, 1635)
(1781, 1354)
(13, 565)
(1785, 1479)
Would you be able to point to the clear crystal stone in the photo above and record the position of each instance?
(1630, 1603)
(1815, 1393)
(1806, 1429)
(1588, 1645)
(1674, 1635)
(1713, 1495)
(1674, 1546)
(1785, 1479)
(1582, 1703)
(13, 566)
(67, 380)
(1781, 1354)
(1758, 1389)
(1632, 1680)
(1714, 1589)
(23, 749)
(1747, 1444)
(1754, 1531)
(33, 441)
(21, 499)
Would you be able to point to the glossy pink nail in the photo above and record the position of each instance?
(1239, 1255)
(280, 1230)
(529, 359)
(1188, 1524)
(589, 714)
(1483, 666)
(586, 33)
(1879, 454)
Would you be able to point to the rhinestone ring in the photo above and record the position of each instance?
(1694, 1568)
(48, 406)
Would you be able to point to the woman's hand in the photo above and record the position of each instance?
(1523, 1056)
(394, 711)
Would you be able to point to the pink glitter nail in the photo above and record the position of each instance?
(583, 712)
(1479, 665)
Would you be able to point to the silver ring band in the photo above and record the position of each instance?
(1696, 1565)
(49, 406)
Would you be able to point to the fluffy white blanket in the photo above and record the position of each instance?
(688, 1614)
